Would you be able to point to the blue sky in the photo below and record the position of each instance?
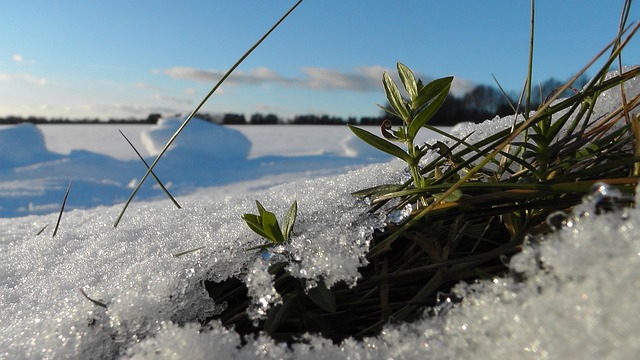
(123, 59)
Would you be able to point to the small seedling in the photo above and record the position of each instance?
(266, 225)
(423, 102)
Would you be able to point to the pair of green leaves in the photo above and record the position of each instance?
(266, 224)
(423, 102)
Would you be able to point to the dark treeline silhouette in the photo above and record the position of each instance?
(482, 103)
(10, 120)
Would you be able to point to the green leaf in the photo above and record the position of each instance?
(261, 209)
(408, 80)
(539, 139)
(271, 227)
(323, 297)
(428, 111)
(454, 196)
(289, 220)
(378, 190)
(431, 90)
(381, 144)
(279, 312)
(254, 222)
(395, 99)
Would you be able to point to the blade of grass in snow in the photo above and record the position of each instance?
(540, 114)
(192, 114)
(42, 230)
(92, 300)
(64, 202)
(527, 106)
(152, 173)
(188, 251)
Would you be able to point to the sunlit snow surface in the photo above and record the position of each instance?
(579, 298)
(37, 162)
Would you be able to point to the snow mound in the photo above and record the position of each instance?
(352, 146)
(199, 137)
(22, 145)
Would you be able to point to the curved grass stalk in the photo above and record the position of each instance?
(204, 100)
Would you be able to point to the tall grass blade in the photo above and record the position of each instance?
(64, 202)
(173, 200)
(527, 106)
(192, 114)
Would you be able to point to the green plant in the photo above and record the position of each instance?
(266, 224)
(507, 185)
(415, 112)
(504, 188)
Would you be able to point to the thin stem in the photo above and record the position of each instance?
(527, 106)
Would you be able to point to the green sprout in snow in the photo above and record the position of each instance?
(423, 102)
(266, 224)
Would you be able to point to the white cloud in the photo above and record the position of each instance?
(253, 77)
(365, 78)
(460, 87)
(21, 59)
(190, 91)
(169, 98)
(360, 79)
(141, 85)
(28, 78)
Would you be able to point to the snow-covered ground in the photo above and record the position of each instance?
(38, 162)
(581, 304)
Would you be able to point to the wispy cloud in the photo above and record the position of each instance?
(460, 87)
(28, 78)
(21, 59)
(360, 79)
(141, 85)
(190, 91)
(365, 78)
(173, 99)
(251, 77)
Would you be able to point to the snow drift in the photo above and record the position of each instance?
(33, 178)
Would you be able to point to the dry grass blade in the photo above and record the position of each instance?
(64, 202)
(99, 303)
(173, 200)
(187, 251)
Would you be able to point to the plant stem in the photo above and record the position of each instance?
(192, 114)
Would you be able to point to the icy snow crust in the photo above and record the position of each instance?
(578, 299)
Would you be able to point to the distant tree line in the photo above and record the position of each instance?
(10, 120)
(482, 103)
